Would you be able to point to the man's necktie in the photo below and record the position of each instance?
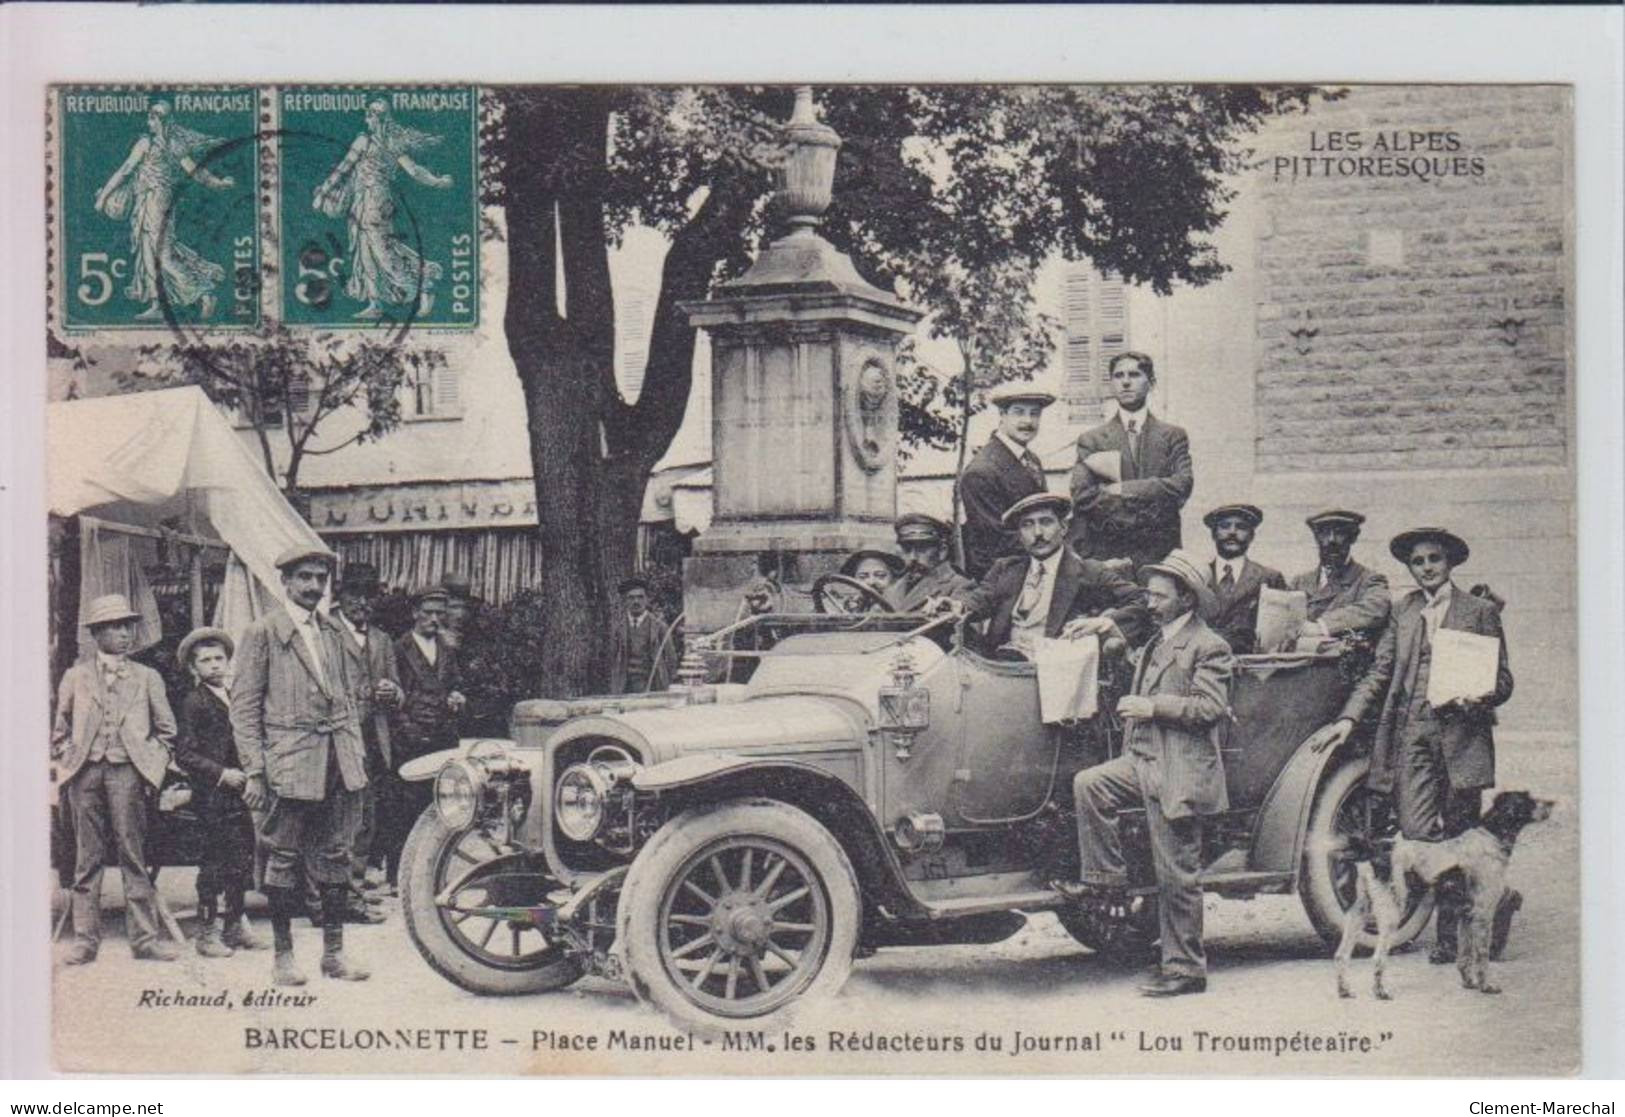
(1031, 592)
(1034, 467)
(1228, 581)
(1133, 429)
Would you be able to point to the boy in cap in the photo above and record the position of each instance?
(110, 745)
(1135, 516)
(1234, 578)
(206, 751)
(1435, 762)
(1345, 598)
(927, 573)
(1003, 471)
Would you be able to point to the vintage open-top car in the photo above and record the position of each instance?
(729, 848)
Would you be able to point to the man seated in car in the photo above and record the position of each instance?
(923, 541)
(1050, 591)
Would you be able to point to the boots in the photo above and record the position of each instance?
(236, 932)
(334, 964)
(209, 943)
(284, 903)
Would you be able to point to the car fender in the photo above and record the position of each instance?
(696, 779)
(1284, 814)
(427, 766)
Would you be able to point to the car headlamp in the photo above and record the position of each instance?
(457, 792)
(579, 801)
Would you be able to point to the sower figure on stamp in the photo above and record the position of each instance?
(431, 705)
(1435, 762)
(1344, 597)
(110, 744)
(1234, 577)
(1170, 763)
(1134, 515)
(377, 695)
(1003, 471)
(299, 740)
(208, 753)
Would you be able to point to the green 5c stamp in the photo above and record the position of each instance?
(159, 208)
(379, 206)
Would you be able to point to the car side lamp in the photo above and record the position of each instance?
(905, 707)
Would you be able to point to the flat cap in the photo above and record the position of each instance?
(183, 654)
(918, 526)
(1455, 547)
(304, 552)
(1335, 516)
(1058, 501)
(1249, 512)
(420, 594)
(1020, 391)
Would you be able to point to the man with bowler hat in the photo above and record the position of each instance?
(1003, 471)
(110, 746)
(1434, 761)
(1345, 598)
(1234, 577)
(298, 735)
(923, 543)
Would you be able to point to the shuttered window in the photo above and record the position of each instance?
(1095, 314)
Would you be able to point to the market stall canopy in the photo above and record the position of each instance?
(151, 456)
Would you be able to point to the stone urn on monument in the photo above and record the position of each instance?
(804, 401)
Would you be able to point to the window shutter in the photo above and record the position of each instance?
(448, 394)
(1095, 315)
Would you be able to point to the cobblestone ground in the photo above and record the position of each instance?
(1038, 995)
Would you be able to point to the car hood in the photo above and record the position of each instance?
(769, 724)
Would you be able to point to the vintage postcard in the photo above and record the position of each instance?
(547, 579)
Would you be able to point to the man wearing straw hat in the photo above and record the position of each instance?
(110, 746)
(1170, 763)
(298, 735)
(1003, 471)
(1434, 761)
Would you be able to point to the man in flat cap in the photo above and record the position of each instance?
(1434, 761)
(923, 543)
(378, 695)
(110, 746)
(641, 658)
(1234, 578)
(432, 703)
(1003, 471)
(1170, 763)
(294, 717)
(1344, 597)
(1049, 591)
(1132, 476)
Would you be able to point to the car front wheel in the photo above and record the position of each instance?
(738, 912)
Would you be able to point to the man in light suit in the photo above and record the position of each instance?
(1234, 578)
(923, 543)
(1170, 762)
(1003, 471)
(1435, 762)
(1345, 598)
(110, 745)
(1136, 517)
(294, 718)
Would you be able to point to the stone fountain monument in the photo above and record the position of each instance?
(804, 401)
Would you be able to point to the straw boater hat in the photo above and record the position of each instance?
(1012, 515)
(1019, 391)
(110, 608)
(302, 552)
(1455, 547)
(1335, 516)
(1249, 512)
(183, 654)
(893, 563)
(1184, 567)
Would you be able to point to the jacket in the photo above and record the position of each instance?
(941, 581)
(660, 653)
(1234, 615)
(1395, 688)
(1357, 600)
(290, 720)
(205, 749)
(1187, 678)
(136, 704)
(426, 722)
(370, 662)
(993, 481)
(1141, 523)
(1083, 588)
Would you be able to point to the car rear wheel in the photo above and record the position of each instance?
(738, 912)
(1344, 805)
(1126, 938)
(483, 954)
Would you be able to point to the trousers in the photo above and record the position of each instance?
(1176, 852)
(311, 838)
(108, 804)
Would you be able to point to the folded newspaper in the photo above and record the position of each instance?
(1068, 678)
(1280, 613)
(1463, 665)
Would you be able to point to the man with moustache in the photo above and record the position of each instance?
(1136, 517)
(641, 658)
(1003, 471)
(923, 543)
(1434, 761)
(1234, 578)
(1170, 763)
(293, 715)
(1345, 598)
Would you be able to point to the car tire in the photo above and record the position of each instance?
(1126, 942)
(756, 894)
(1343, 804)
(452, 949)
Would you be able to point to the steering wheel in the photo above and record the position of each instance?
(821, 597)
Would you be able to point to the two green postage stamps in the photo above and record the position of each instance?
(229, 207)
